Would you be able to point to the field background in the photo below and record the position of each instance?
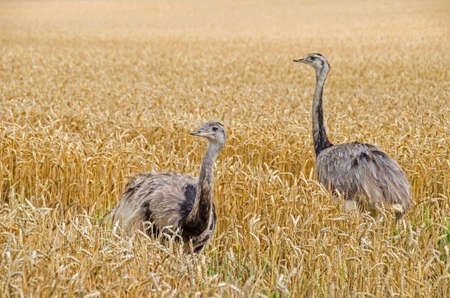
(92, 92)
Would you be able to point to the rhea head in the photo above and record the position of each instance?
(316, 60)
(213, 131)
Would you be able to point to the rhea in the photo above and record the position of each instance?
(365, 175)
(174, 204)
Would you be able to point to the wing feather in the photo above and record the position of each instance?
(364, 170)
(156, 197)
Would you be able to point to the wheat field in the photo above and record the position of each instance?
(94, 92)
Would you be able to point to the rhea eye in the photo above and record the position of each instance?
(214, 128)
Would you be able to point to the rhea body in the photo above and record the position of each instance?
(362, 173)
(174, 204)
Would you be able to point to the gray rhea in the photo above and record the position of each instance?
(174, 204)
(362, 173)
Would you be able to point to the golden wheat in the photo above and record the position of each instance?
(94, 92)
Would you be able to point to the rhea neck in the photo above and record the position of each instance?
(321, 141)
(198, 219)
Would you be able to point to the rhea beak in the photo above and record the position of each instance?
(199, 132)
(302, 60)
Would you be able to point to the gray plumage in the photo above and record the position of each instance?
(174, 204)
(362, 173)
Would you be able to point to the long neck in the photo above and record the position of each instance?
(319, 132)
(198, 219)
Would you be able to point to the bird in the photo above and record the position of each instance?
(366, 176)
(169, 203)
